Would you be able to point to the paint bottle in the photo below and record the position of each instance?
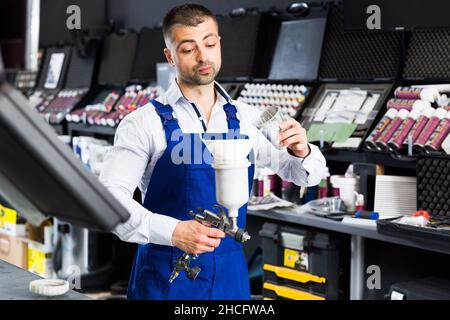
(409, 105)
(399, 138)
(381, 126)
(421, 122)
(428, 94)
(275, 184)
(399, 104)
(323, 184)
(435, 141)
(359, 203)
(260, 185)
(387, 134)
(431, 126)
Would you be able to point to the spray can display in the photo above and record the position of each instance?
(397, 140)
(391, 129)
(409, 105)
(431, 126)
(400, 104)
(428, 94)
(381, 126)
(421, 122)
(435, 141)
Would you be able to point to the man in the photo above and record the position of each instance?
(144, 155)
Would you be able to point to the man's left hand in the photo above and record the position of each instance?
(293, 136)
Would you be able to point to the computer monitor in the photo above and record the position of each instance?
(41, 177)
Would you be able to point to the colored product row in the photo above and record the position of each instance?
(275, 87)
(424, 128)
(114, 106)
(288, 98)
(61, 105)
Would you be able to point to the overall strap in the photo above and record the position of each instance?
(232, 120)
(165, 112)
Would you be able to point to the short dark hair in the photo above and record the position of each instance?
(186, 15)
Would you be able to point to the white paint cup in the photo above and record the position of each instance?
(269, 124)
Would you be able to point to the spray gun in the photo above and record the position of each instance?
(218, 220)
(222, 222)
(232, 192)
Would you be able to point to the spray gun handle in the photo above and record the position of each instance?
(220, 221)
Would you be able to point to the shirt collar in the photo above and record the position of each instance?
(174, 94)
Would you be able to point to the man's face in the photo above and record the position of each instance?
(195, 52)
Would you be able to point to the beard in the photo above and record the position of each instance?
(201, 79)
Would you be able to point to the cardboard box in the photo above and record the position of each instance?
(14, 250)
(8, 223)
(40, 254)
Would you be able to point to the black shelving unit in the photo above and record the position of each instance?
(384, 159)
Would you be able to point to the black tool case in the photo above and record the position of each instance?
(427, 58)
(421, 289)
(303, 263)
(239, 34)
(362, 59)
(45, 73)
(82, 68)
(149, 52)
(48, 85)
(80, 76)
(113, 76)
(290, 43)
(433, 195)
(375, 91)
(426, 62)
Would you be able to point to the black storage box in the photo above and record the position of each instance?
(112, 79)
(149, 52)
(80, 75)
(426, 63)
(421, 289)
(305, 264)
(370, 107)
(364, 59)
(362, 55)
(290, 44)
(239, 35)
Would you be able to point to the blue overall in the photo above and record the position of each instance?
(174, 190)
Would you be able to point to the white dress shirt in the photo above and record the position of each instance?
(140, 141)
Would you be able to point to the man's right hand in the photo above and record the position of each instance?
(195, 238)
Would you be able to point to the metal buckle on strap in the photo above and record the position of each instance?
(167, 117)
(231, 113)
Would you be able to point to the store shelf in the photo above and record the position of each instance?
(88, 129)
(308, 219)
(368, 157)
(330, 155)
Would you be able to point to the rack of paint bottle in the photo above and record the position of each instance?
(56, 109)
(288, 97)
(417, 120)
(114, 106)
